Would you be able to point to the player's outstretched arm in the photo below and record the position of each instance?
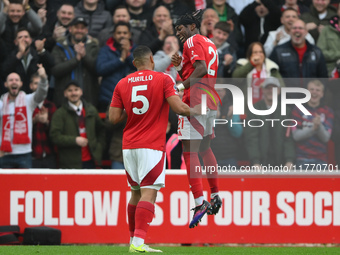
(179, 107)
(117, 115)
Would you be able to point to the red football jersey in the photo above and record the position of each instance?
(199, 47)
(143, 96)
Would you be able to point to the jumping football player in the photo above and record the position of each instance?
(200, 60)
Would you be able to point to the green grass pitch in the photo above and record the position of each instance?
(112, 250)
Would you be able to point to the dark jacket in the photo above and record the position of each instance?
(67, 68)
(259, 143)
(251, 22)
(313, 62)
(176, 9)
(223, 70)
(13, 64)
(313, 17)
(97, 20)
(30, 20)
(111, 69)
(64, 129)
(149, 37)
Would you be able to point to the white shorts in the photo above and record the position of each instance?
(196, 127)
(145, 168)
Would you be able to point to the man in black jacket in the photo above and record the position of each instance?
(298, 58)
(162, 26)
(25, 58)
(258, 18)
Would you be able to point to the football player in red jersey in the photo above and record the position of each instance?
(144, 98)
(200, 60)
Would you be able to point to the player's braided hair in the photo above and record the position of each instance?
(193, 18)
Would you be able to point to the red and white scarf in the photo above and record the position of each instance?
(258, 78)
(20, 130)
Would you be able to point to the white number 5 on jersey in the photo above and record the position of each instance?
(141, 98)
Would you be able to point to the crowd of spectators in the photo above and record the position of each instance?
(80, 49)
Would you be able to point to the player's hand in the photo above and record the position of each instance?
(81, 141)
(176, 59)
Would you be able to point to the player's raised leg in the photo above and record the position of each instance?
(194, 174)
(210, 164)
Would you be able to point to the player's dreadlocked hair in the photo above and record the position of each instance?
(188, 19)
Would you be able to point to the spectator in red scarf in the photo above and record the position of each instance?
(16, 110)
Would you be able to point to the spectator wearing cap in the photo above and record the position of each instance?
(312, 132)
(271, 143)
(95, 14)
(114, 62)
(77, 131)
(75, 59)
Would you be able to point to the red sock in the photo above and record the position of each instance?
(195, 177)
(210, 160)
(144, 215)
(131, 210)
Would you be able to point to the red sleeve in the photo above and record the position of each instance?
(169, 86)
(116, 98)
